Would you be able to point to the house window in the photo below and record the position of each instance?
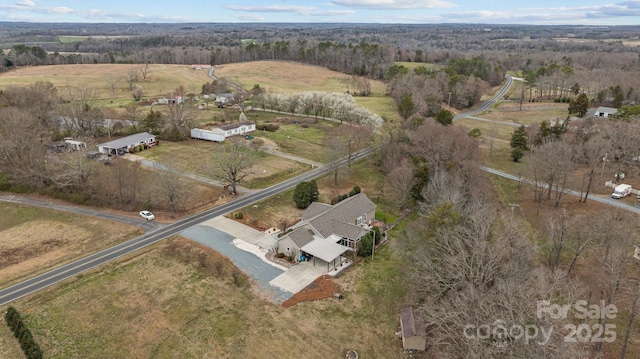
(364, 218)
(359, 220)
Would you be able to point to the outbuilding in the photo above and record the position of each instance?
(411, 331)
(122, 145)
(605, 112)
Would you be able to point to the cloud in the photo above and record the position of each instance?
(299, 10)
(622, 9)
(394, 4)
(26, 3)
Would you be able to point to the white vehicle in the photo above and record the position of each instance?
(147, 215)
(621, 191)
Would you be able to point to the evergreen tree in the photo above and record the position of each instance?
(519, 143)
(305, 194)
(406, 106)
(444, 117)
(579, 106)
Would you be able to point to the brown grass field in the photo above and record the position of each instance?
(158, 304)
(33, 240)
(161, 80)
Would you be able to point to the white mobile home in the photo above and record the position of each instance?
(215, 135)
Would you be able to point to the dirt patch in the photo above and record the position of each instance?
(248, 220)
(322, 288)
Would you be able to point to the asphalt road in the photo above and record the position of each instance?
(59, 274)
(485, 106)
(606, 200)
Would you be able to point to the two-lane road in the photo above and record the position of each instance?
(59, 274)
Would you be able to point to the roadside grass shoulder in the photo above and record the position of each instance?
(155, 305)
(9, 345)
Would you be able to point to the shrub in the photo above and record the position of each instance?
(280, 255)
(270, 127)
(238, 215)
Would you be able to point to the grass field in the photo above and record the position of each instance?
(33, 239)
(162, 79)
(154, 305)
(194, 157)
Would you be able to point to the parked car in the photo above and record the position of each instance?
(147, 215)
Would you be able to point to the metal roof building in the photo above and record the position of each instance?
(122, 145)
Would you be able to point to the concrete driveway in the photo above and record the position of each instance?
(248, 262)
(247, 247)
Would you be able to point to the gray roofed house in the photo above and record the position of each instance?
(122, 145)
(315, 209)
(325, 229)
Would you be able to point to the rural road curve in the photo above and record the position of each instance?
(59, 274)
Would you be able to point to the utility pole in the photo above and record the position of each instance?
(373, 246)
(513, 207)
(449, 103)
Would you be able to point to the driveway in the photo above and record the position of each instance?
(247, 247)
(248, 262)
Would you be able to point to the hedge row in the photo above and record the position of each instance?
(20, 331)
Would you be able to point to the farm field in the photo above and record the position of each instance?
(33, 240)
(160, 304)
(161, 80)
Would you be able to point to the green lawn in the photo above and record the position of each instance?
(298, 141)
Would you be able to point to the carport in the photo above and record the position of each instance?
(326, 251)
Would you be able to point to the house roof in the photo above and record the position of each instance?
(302, 235)
(610, 110)
(408, 322)
(126, 141)
(324, 249)
(315, 209)
(341, 217)
(231, 126)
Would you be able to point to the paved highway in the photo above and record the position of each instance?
(485, 106)
(59, 274)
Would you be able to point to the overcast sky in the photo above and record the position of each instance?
(542, 12)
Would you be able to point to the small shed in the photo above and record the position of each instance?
(122, 145)
(412, 331)
(604, 112)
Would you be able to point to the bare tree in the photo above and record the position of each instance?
(112, 81)
(179, 115)
(22, 151)
(334, 154)
(144, 70)
(131, 78)
(400, 181)
(355, 138)
(169, 185)
(232, 164)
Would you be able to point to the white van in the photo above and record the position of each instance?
(621, 191)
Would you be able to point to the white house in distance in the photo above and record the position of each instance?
(122, 145)
(604, 112)
(218, 134)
